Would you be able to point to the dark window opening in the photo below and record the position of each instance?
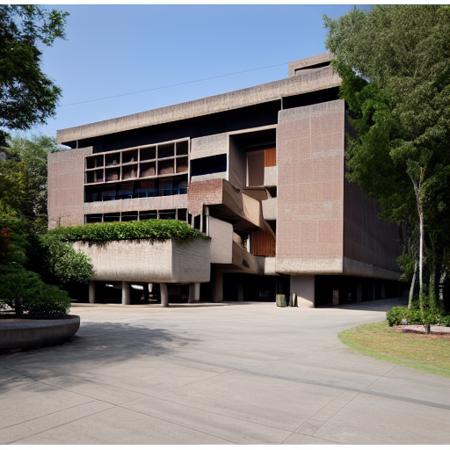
(167, 214)
(211, 164)
(111, 217)
(129, 215)
(145, 215)
(182, 214)
(92, 218)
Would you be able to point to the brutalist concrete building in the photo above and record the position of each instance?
(259, 170)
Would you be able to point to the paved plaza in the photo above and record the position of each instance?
(241, 373)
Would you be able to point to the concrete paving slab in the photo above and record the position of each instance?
(47, 422)
(121, 426)
(242, 373)
(31, 400)
(373, 420)
(232, 429)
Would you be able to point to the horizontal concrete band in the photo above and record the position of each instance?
(338, 266)
(27, 333)
(322, 79)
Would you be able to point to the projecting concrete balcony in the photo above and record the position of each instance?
(145, 261)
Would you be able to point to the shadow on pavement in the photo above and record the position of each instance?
(96, 344)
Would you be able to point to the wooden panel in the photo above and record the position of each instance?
(270, 157)
(255, 167)
(263, 244)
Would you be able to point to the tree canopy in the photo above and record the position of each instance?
(394, 62)
(27, 95)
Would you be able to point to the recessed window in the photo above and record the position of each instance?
(211, 164)
(167, 214)
(92, 218)
(111, 217)
(145, 215)
(129, 215)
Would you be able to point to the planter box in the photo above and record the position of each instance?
(29, 333)
(150, 262)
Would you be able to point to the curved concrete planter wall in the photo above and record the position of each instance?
(30, 333)
(146, 261)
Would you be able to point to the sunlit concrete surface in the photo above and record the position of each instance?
(242, 373)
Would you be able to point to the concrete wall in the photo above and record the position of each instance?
(145, 261)
(66, 187)
(304, 287)
(214, 144)
(310, 161)
(371, 245)
(270, 176)
(270, 207)
(221, 234)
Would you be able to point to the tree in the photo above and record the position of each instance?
(28, 261)
(395, 65)
(27, 95)
(24, 172)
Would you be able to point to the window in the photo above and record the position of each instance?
(210, 164)
(167, 214)
(92, 218)
(129, 215)
(111, 217)
(145, 215)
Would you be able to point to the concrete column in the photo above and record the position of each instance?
(194, 292)
(303, 286)
(374, 290)
(241, 293)
(91, 292)
(359, 292)
(164, 291)
(335, 297)
(125, 293)
(218, 286)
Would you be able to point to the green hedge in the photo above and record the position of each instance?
(154, 229)
(401, 315)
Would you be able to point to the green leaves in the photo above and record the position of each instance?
(154, 229)
(27, 95)
(394, 61)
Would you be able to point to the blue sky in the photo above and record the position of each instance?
(113, 50)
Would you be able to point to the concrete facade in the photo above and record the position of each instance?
(261, 171)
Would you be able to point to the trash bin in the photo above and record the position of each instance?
(281, 300)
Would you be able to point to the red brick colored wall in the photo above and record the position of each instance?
(66, 187)
(310, 160)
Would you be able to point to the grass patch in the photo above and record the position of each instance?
(427, 353)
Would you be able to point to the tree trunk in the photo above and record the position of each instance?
(413, 286)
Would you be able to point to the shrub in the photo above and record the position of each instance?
(154, 229)
(445, 320)
(399, 315)
(17, 285)
(24, 291)
(50, 303)
(64, 262)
